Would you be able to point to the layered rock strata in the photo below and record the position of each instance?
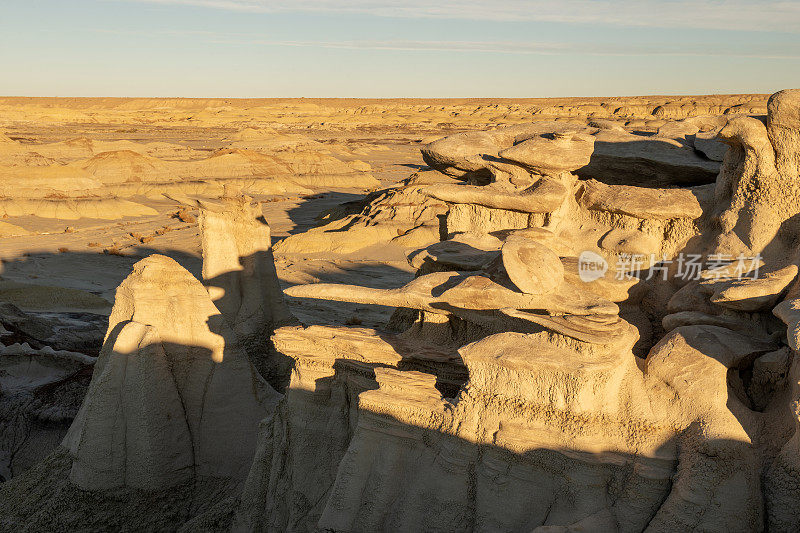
(535, 377)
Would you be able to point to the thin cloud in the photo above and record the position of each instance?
(539, 48)
(677, 48)
(738, 15)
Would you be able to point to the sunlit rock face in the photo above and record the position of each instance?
(653, 401)
(601, 338)
(239, 273)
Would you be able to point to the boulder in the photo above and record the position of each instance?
(624, 158)
(640, 202)
(531, 266)
(460, 154)
(561, 153)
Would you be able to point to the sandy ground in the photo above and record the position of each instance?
(75, 255)
(95, 255)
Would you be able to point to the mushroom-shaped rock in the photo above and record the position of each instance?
(748, 294)
(531, 266)
(562, 152)
(456, 155)
(544, 196)
(640, 202)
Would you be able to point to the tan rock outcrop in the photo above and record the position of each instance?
(173, 395)
(126, 166)
(554, 392)
(783, 128)
(553, 365)
(640, 202)
(404, 216)
(74, 208)
(562, 153)
(755, 197)
(239, 273)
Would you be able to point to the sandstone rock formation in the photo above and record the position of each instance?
(239, 273)
(403, 215)
(74, 208)
(173, 406)
(610, 156)
(517, 379)
(173, 395)
(83, 178)
(599, 337)
(756, 192)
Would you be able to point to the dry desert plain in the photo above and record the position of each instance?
(574, 314)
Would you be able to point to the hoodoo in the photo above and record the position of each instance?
(593, 325)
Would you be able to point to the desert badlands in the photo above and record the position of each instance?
(549, 315)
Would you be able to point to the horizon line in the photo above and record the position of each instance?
(653, 95)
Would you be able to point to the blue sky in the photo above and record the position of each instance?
(394, 48)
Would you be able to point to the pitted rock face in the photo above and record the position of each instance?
(783, 126)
